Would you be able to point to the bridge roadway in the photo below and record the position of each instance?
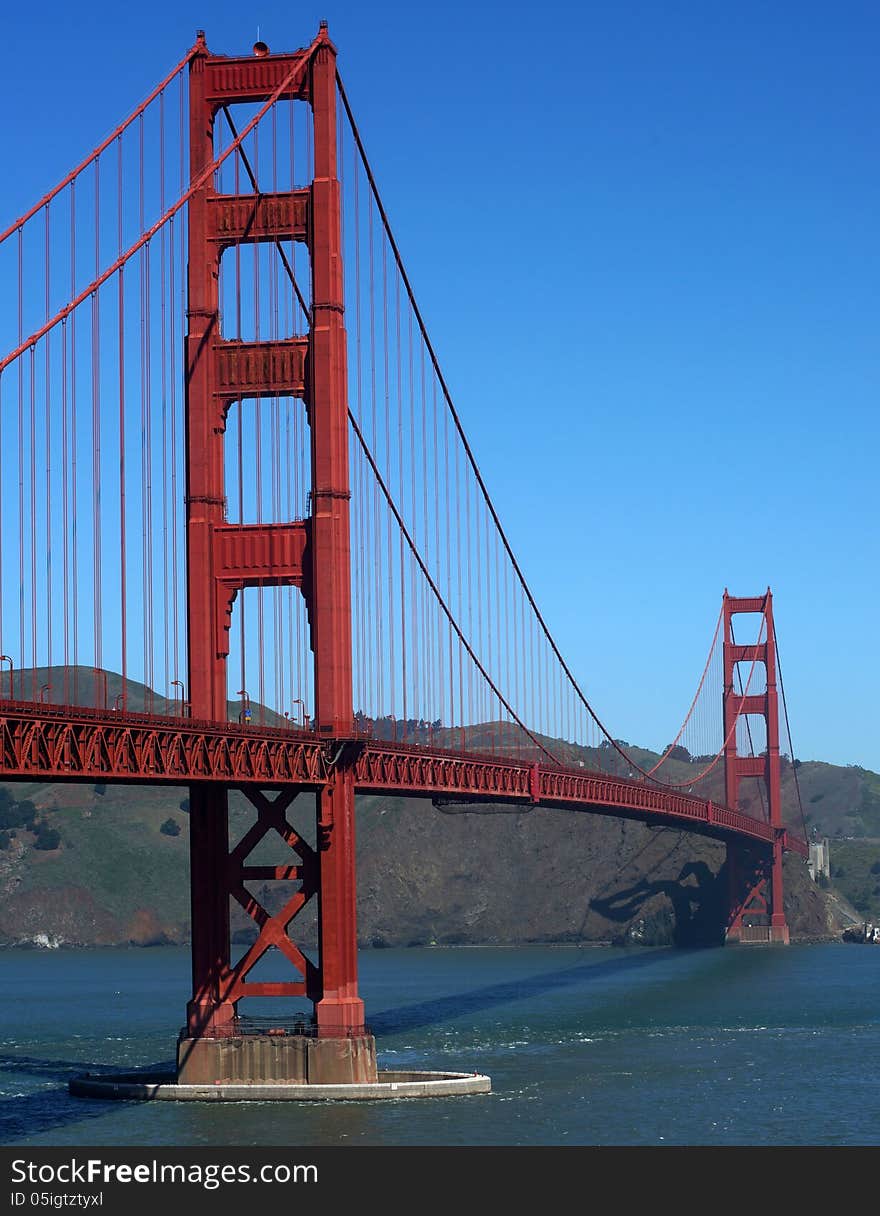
(50, 743)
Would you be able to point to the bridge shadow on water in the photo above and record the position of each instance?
(460, 1004)
(692, 918)
(34, 1113)
(44, 1110)
(51, 1107)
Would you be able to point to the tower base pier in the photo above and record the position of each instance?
(140, 1087)
(758, 935)
(282, 1059)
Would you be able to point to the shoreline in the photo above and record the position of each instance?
(48, 947)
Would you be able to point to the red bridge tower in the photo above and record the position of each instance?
(312, 554)
(755, 907)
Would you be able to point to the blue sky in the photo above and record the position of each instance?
(645, 241)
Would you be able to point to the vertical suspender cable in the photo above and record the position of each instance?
(96, 443)
(21, 515)
(71, 605)
(33, 518)
(163, 364)
(65, 514)
(122, 487)
(47, 387)
(402, 492)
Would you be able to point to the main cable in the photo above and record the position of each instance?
(467, 448)
(788, 732)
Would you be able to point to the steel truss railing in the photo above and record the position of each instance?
(52, 743)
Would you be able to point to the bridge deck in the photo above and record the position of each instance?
(40, 742)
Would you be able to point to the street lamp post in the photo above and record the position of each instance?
(99, 671)
(4, 658)
(179, 684)
(305, 716)
(44, 688)
(245, 715)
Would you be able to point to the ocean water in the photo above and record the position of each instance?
(585, 1046)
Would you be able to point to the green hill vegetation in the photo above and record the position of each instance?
(855, 872)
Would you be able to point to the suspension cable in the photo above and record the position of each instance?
(392, 506)
(678, 785)
(102, 147)
(788, 732)
(147, 236)
(687, 719)
(466, 445)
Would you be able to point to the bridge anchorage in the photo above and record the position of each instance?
(524, 734)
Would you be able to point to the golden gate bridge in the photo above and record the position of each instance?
(232, 469)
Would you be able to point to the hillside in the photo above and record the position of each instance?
(102, 865)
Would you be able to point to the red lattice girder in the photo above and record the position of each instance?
(749, 879)
(43, 742)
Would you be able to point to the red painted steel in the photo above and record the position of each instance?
(254, 555)
(243, 78)
(260, 369)
(330, 587)
(66, 742)
(246, 218)
(766, 766)
(212, 756)
(52, 742)
(261, 554)
(273, 929)
(208, 1012)
(313, 555)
